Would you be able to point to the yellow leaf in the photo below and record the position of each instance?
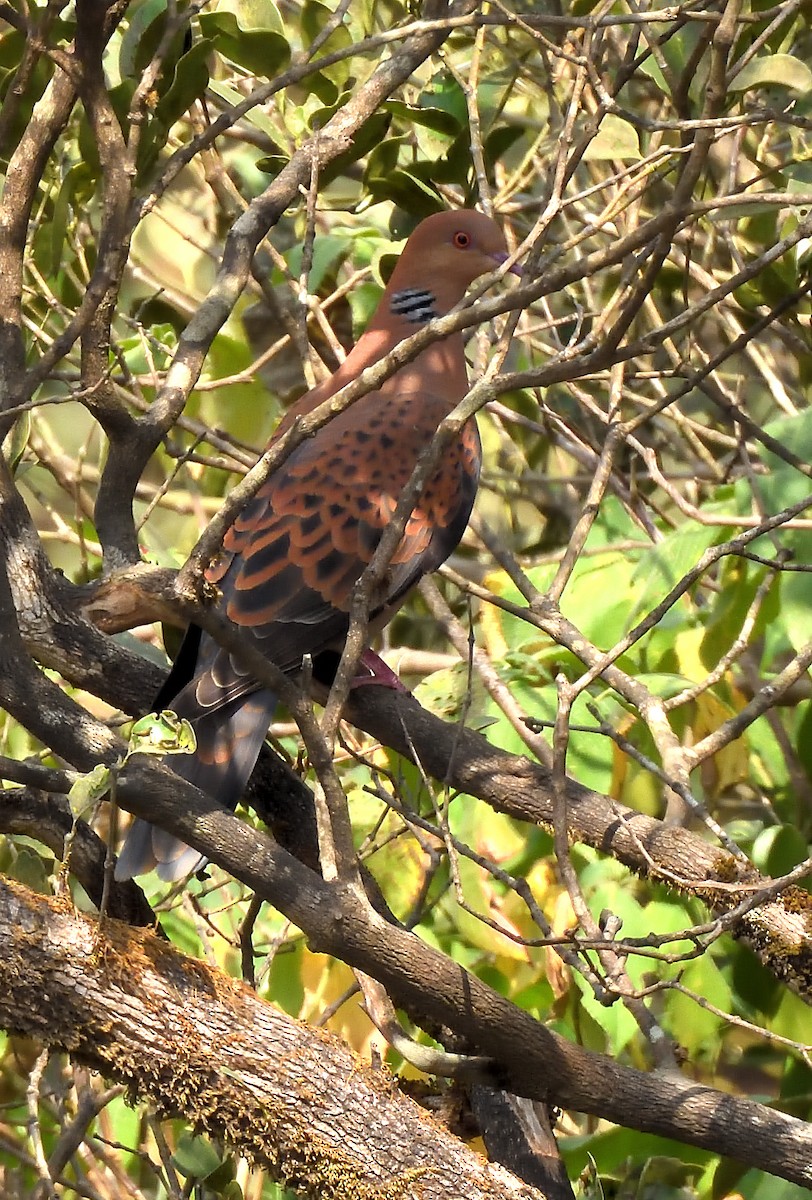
(490, 620)
(687, 648)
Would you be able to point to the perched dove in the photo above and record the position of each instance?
(293, 555)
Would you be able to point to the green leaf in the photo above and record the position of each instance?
(769, 287)
(408, 191)
(779, 849)
(284, 983)
(161, 340)
(664, 1177)
(455, 166)
(739, 582)
(261, 51)
(676, 50)
(608, 575)
(328, 252)
(272, 164)
(126, 1121)
(383, 160)
(695, 1028)
(664, 565)
(616, 138)
(757, 1185)
(448, 691)
(12, 45)
(320, 116)
(260, 15)
(189, 82)
(781, 487)
(363, 301)
(802, 737)
(445, 93)
(89, 788)
(498, 142)
(28, 867)
(16, 444)
(162, 733)
(410, 185)
(88, 150)
(439, 120)
(615, 1148)
(317, 84)
(314, 17)
(75, 190)
(791, 1017)
(145, 27)
(254, 116)
(798, 176)
(756, 991)
(776, 70)
(196, 1157)
(652, 69)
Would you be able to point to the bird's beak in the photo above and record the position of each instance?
(515, 269)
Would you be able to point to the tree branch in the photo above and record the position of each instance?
(531, 1060)
(199, 1044)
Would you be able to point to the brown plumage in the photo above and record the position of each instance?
(291, 558)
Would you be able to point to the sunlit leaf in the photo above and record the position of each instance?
(663, 566)
(162, 733)
(259, 50)
(89, 788)
(314, 18)
(616, 138)
(777, 70)
(779, 849)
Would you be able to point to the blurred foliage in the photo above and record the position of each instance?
(585, 126)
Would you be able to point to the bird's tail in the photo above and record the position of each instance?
(228, 742)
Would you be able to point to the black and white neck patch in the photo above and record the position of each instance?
(415, 304)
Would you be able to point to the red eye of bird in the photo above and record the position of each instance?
(461, 240)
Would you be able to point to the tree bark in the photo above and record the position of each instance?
(528, 1058)
(198, 1044)
(778, 928)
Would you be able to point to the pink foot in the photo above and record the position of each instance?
(379, 673)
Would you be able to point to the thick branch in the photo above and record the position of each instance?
(196, 1043)
(531, 1059)
(779, 930)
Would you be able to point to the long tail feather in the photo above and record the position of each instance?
(228, 743)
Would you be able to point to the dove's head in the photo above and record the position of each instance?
(444, 255)
(464, 244)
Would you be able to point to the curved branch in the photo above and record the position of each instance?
(778, 930)
(200, 1044)
(532, 1060)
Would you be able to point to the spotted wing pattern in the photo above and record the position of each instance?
(287, 572)
(292, 557)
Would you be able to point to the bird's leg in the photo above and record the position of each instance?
(379, 673)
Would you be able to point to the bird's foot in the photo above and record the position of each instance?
(379, 673)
